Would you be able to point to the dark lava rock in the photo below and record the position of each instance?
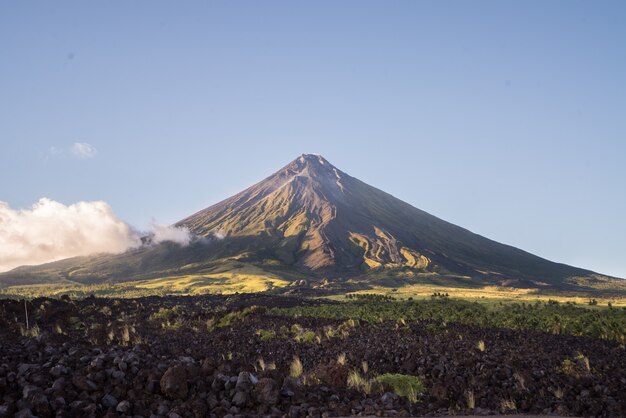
(245, 382)
(123, 407)
(240, 398)
(84, 384)
(174, 383)
(266, 391)
(109, 401)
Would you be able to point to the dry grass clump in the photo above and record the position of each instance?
(470, 400)
(33, 331)
(263, 366)
(507, 405)
(358, 382)
(559, 393)
(295, 369)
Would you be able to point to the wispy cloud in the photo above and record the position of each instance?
(80, 150)
(83, 150)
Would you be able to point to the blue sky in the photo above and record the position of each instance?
(507, 118)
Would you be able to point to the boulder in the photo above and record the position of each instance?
(245, 382)
(240, 398)
(174, 382)
(266, 391)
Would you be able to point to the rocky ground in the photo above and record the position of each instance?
(230, 356)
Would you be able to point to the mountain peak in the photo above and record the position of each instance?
(314, 161)
(314, 158)
(312, 166)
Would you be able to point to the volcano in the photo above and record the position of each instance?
(312, 220)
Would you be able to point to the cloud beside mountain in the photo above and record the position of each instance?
(163, 233)
(50, 231)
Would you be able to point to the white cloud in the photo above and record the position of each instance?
(83, 150)
(162, 233)
(51, 231)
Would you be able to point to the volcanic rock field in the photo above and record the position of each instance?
(236, 356)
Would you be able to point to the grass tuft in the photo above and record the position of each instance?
(358, 382)
(295, 369)
(470, 399)
(341, 359)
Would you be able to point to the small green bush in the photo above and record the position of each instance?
(166, 314)
(403, 385)
(266, 334)
(305, 337)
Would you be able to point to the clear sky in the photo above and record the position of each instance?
(507, 118)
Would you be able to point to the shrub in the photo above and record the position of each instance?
(403, 385)
(166, 314)
(235, 316)
(306, 337)
(583, 361)
(577, 367)
(296, 328)
(266, 334)
(330, 332)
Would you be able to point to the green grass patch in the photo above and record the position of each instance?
(305, 337)
(166, 314)
(403, 385)
(266, 334)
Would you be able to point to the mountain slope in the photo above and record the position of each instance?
(310, 219)
(318, 218)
